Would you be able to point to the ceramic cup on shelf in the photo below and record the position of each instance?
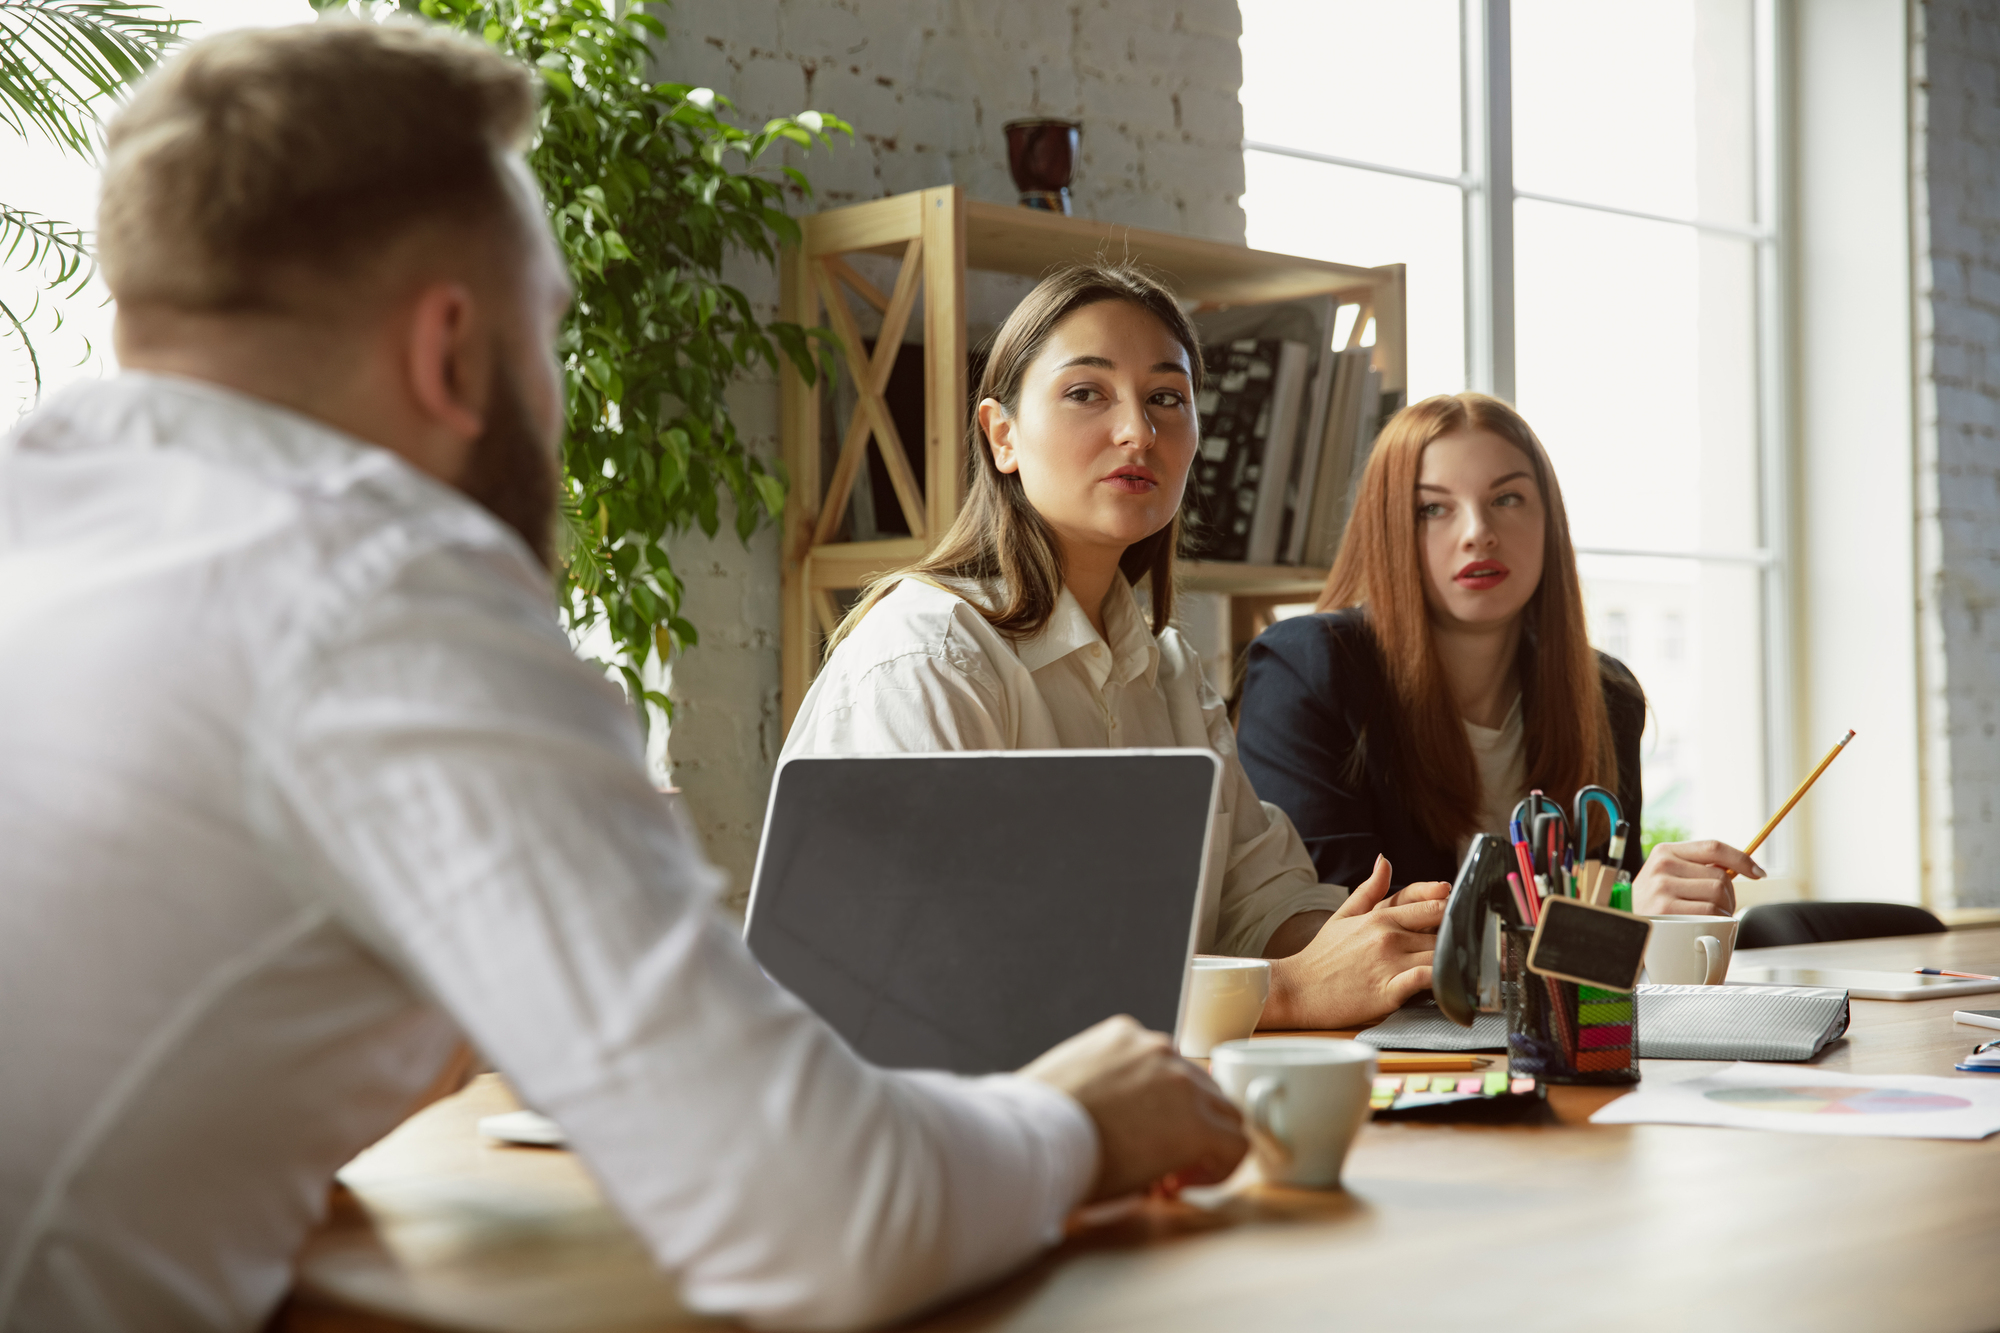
(1225, 999)
(1689, 950)
(1302, 1098)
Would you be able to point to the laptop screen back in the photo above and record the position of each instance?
(967, 911)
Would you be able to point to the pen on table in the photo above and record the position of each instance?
(1940, 972)
(1422, 1061)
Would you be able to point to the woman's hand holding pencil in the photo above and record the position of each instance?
(1694, 878)
(1691, 879)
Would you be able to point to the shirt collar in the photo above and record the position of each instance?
(1131, 652)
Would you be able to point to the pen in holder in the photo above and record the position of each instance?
(1564, 1031)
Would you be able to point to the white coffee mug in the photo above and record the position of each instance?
(1303, 1099)
(1689, 950)
(1225, 999)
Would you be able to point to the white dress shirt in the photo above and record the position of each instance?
(925, 671)
(299, 782)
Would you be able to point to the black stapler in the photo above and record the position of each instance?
(1481, 887)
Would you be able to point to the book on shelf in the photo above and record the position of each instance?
(1249, 414)
(1352, 422)
(1287, 422)
(1269, 380)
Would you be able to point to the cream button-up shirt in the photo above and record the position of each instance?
(925, 671)
(300, 782)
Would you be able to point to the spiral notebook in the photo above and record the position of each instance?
(1674, 1023)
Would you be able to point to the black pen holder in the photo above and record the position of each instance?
(1563, 1031)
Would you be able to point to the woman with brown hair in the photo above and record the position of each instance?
(1023, 629)
(1447, 671)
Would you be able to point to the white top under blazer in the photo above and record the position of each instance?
(924, 670)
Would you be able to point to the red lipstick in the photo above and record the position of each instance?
(1133, 480)
(1479, 575)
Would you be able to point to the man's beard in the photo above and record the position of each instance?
(512, 473)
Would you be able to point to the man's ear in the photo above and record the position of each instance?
(998, 428)
(450, 367)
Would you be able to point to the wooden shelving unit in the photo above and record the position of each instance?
(937, 235)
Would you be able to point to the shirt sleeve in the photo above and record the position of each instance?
(473, 799)
(1268, 877)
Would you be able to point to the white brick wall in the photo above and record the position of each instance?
(927, 85)
(1957, 124)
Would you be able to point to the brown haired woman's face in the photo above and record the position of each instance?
(1105, 432)
(1480, 528)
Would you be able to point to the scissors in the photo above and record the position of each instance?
(1585, 798)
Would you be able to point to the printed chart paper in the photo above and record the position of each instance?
(1810, 1101)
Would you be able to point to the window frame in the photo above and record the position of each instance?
(1487, 192)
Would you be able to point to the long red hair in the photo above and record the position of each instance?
(1567, 729)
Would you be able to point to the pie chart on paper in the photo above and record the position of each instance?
(1836, 1100)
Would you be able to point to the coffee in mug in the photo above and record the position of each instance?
(1225, 999)
(1302, 1098)
(1689, 950)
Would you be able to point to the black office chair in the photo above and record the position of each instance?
(1815, 923)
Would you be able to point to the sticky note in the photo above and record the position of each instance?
(1496, 1083)
(1388, 1083)
(1592, 1014)
(1617, 1058)
(1599, 1038)
(1472, 1084)
(1521, 1085)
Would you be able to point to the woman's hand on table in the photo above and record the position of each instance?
(1353, 966)
(1691, 879)
(1157, 1116)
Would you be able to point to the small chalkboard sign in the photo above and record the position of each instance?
(1598, 946)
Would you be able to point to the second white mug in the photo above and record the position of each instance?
(1689, 950)
(1225, 999)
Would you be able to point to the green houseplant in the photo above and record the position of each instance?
(649, 189)
(60, 60)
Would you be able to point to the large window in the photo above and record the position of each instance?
(1583, 194)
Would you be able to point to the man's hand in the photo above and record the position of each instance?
(1362, 963)
(1156, 1114)
(1691, 879)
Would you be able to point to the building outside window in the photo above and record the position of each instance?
(1584, 195)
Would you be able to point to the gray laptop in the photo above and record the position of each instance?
(967, 911)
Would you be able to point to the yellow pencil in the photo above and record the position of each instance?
(1804, 787)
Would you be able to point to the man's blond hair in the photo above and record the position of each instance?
(255, 162)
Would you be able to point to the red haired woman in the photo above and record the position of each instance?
(1447, 672)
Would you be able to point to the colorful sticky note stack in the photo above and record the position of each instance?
(1603, 1028)
(1493, 1083)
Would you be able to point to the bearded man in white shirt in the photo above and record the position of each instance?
(303, 785)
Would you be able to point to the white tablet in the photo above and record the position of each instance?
(1862, 985)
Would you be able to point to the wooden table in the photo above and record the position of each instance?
(1568, 1226)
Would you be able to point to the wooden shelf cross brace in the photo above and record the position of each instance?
(871, 381)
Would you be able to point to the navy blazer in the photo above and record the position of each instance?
(1316, 690)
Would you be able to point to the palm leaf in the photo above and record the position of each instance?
(58, 57)
(29, 239)
(18, 326)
